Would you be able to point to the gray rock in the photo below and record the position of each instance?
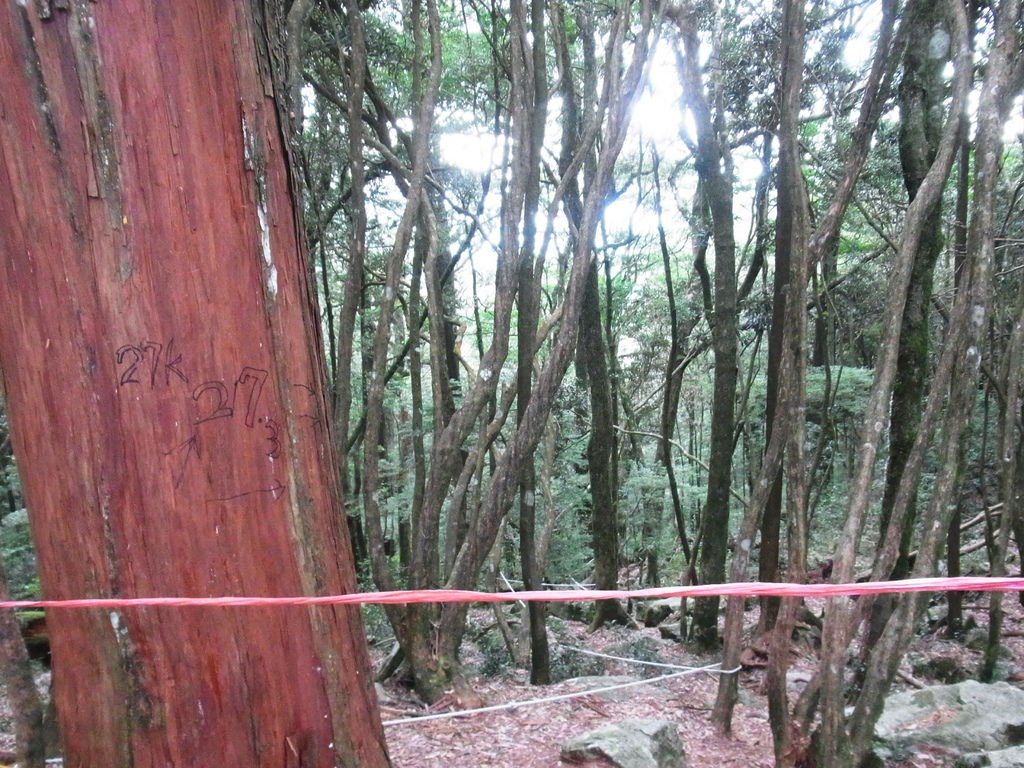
(944, 669)
(966, 717)
(630, 744)
(744, 696)
(937, 614)
(1012, 757)
(657, 610)
(977, 640)
(669, 633)
(797, 680)
(15, 518)
(1004, 670)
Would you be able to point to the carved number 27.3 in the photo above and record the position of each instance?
(219, 404)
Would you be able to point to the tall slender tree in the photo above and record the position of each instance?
(713, 164)
(921, 93)
(528, 290)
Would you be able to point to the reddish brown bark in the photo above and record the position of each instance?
(164, 384)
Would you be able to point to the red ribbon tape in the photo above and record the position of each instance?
(745, 589)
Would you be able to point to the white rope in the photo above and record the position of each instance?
(510, 588)
(561, 697)
(582, 586)
(659, 664)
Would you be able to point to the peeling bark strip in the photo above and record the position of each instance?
(163, 378)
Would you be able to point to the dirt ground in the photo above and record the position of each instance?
(530, 736)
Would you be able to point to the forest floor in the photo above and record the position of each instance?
(531, 735)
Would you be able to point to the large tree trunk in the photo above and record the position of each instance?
(164, 379)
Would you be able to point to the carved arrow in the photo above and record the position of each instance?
(190, 446)
(276, 491)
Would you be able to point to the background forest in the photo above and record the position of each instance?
(627, 293)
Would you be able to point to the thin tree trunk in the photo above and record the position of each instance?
(792, 230)
(616, 100)
(674, 368)
(591, 349)
(791, 235)
(955, 600)
(920, 95)
(837, 632)
(352, 295)
(771, 523)
(415, 398)
(529, 307)
(433, 633)
(412, 626)
(605, 532)
(374, 406)
(552, 513)
(718, 194)
(1009, 454)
